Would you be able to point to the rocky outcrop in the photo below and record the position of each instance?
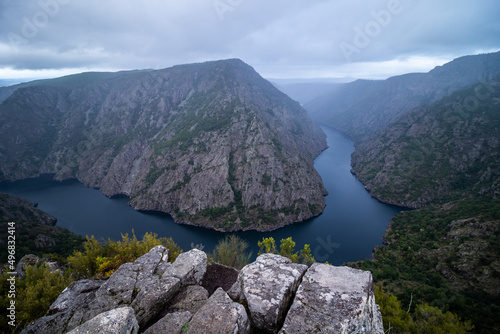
(270, 295)
(334, 300)
(31, 260)
(219, 315)
(267, 287)
(42, 241)
(212, 144)
(25, 261)
(117, 321)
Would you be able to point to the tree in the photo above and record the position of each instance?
(267, 245)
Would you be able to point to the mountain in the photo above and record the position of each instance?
(366, 107)
(212, 144)
(440, 152)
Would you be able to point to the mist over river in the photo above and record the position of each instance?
(352, 224)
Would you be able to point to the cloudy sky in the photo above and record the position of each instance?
(279, 38)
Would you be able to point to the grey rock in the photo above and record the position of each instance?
(267, 286)
(153, 298)
(117, 321)
(137, 285)
(27, 260)
(190, 298)
(235, 292)
(31, 260)
(67, 310)
(334, 300)
(218, 316)
(53, 266)
(56, 323)
(121, 283)
(172, 323)
(74, 295)
(42, 241)
(150, 296)
(189, 267)
(155, 292)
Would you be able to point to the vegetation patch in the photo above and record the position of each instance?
(444, 256)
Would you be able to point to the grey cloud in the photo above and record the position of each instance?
(288, 36)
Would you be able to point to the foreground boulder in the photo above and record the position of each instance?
(334, 300)
(117, 321)
(270, 295)
(219, 315)
(267, 286)
(146, 285)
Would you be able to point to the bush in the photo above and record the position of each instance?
(425, 319)
(432, 320)
(231, 251)
(34, 294)
(287, 247)
(102, 259)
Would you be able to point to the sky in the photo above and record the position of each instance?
(281, 39)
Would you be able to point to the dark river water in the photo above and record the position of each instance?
(352, 224)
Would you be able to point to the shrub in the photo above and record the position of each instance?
(231, 251)
(34, 295)
(287, 247)
(102, 259)
(430, 319)
(425, 319)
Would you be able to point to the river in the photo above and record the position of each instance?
(352, 224)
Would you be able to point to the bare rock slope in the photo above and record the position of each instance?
(212, 144)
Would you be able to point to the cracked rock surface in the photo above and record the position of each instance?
(270, 295)
(146, 285)
(267, 286)
(117, 321)
(334, 300)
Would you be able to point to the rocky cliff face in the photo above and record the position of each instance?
(271, 295)
(436, 153)
(367, 107)
(213, 144)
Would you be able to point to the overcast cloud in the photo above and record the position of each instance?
(279, 38)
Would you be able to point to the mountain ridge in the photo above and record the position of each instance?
(212, 144)
(366, 107)
(436, 153)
